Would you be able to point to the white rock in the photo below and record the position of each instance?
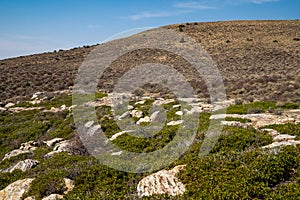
(14, 153)
(180, 113)
(130, 107)
(117, 153)
(124, 115)
(160, 102)
(235, 123)
(143, 120)
(118, 134)
(9, 105)
(15, 190)
(194, 110)
(23, 165)
(219, 116)
(177, 106)
(162, 182)
(283, 143)
(89, 124)
(53, 197)
(140, 102)
(271, 132)
(174, 123)
(53, 141)
(284, 137)
(154, 116)
(136, 113)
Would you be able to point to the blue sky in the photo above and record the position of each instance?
(36, 26)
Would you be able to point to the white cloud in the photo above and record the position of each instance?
(262, 1)
(150, 15)
(193, 5)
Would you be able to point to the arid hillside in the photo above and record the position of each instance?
(257, 60)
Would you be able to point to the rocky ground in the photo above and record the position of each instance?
(257, 155)
(270, 135)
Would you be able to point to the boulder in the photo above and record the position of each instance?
(53, 197)
(162, 182)
(15, 190)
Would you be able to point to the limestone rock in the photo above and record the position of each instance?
(174, 123)
(143, 120)
(27, 147)
(9, 105)
(136, 113)
(180, 113)
(235, 123)
(118, 134)
(162, 182)
(53, 197)
(23, 165)
(160, 102)
(15, 190)
(53, 141)
(284, 137)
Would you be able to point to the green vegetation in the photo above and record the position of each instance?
(236, 168)
(258, 107)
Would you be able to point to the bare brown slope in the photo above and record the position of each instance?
(258, 59)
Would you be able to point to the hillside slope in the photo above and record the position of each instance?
(257, 59)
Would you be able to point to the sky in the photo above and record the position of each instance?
(37, 26)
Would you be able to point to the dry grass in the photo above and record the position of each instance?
(257, 59)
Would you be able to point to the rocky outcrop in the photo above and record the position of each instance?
(162, 182)
(22, 165)
(27, 147)
(15, 190)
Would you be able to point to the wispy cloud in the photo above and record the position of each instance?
(262, 1)
(150, 15)
(193, 5)
(250, 1)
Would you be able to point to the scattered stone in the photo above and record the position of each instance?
(89, 124)
(283, 137)
(193, 111)
(124, 115)
(118, 134)
(271, 132)
(160, 102)
(24, 148)
(235, 123)
(117, 153)
(162, 182)
(143, 120)
(174, 123)
(219, 116)
(9, 105)
(53, 197)
(130, 107)
(22, 165)
(52, 142)
(140, 102)
(136, 113)
(155, 116)
(180, 113)
(283, 143)
(16, 190)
